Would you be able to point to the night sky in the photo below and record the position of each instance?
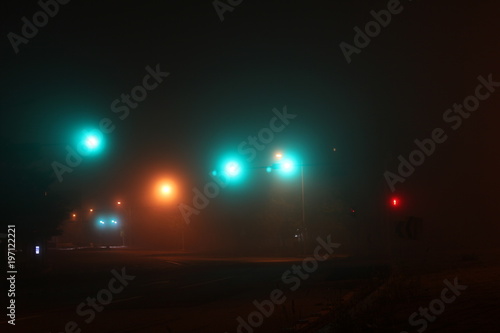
(226, 77)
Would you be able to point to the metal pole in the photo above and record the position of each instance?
(182, 230)
(181, 227)
(129, 222)
(304, 232)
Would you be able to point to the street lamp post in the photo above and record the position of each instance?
(167, 190)
(128, 211)
(287, 166)
(183, 248)
(304, 230)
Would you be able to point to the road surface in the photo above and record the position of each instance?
(125, 290)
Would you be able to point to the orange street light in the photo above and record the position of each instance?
(162, 190)
(166, 189)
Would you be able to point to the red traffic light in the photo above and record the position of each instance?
(395, 202)
(353, 212)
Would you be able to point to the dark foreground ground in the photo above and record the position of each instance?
(416, 288)
(174, 292)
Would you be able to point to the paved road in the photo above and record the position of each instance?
(151, 291)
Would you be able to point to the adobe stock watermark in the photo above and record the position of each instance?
(453, 117)
(103, 297)
(29, 29)
(293, 278)
(248, 148)
(120, 106)
(372, 29)
(436, 306)
(228, 6)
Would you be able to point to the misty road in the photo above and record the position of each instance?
(160, 292)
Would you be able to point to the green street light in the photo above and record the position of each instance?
(232, 169)
(287, 166)
(91, 141)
